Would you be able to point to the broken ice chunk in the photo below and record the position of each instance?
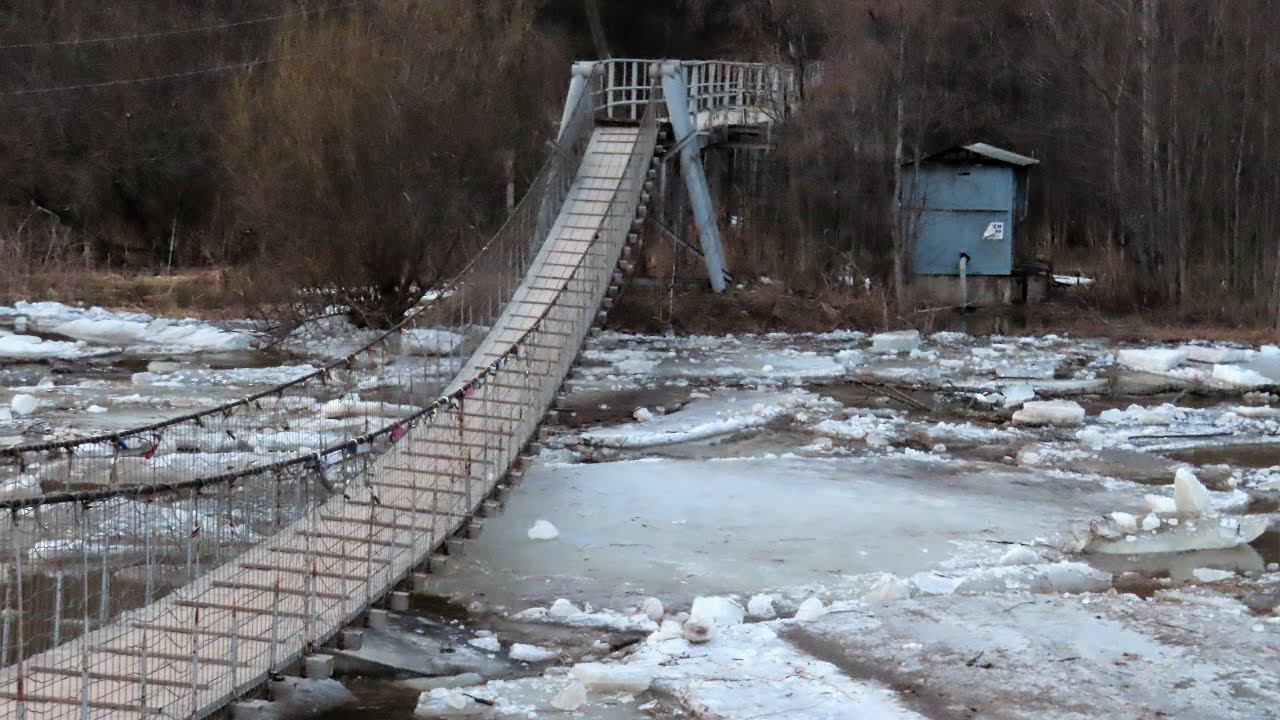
(761, 607)
(1190, 497)
(720, 610)
(23, 404)
(448, 703)
(1020, 555)
(562, 608)
(1214, 534)
(570, 698)
(1214, 354)
(652, 607)
(895, 342)
(887, 589)
(598, 677)
(543, 530)
(1209, 575)
(697, 630)
(810, 610)
(1237, 376)
(1015, 395)
(488, 643)
(1161, 505)
(1125, 523)
(1152, 360)
(1050, 412)
(531, 653)
(1257, 411)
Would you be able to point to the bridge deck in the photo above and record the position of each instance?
(189, 653)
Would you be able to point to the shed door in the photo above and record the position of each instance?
(964, 209)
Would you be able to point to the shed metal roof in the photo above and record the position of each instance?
(981, 152)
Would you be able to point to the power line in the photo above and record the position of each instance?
(157, 78)
(172, 32)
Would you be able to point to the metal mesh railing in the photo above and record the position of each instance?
(174, 597)
(713, 86)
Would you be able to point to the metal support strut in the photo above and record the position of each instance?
(695, 178)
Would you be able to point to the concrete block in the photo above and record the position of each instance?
(398, 601)
(439, 563)
(318, 667)
(376, 619)
(473, 529)
(281, 690)
(455, 545)
(249, 710)
(420, 581)
(492, 508)
(352, 639)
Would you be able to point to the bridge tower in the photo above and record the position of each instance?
(702, 103)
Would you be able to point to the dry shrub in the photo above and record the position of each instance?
(373, 170)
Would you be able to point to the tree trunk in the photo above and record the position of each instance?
(895, 210)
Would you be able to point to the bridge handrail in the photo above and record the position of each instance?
(712, 85)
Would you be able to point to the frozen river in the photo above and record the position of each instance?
(807, 526)
(947, 547)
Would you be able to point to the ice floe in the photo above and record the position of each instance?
(1050, 412)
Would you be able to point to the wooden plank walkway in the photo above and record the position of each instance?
(209, 642)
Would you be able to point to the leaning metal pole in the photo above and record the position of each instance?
(695, 178)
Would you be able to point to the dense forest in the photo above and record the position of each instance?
(372, 142)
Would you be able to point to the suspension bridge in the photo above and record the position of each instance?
(174, 599)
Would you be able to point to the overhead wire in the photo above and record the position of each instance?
(183, 75)
(172, 32)
(156, 78)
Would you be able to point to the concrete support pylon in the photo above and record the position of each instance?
(695, 177)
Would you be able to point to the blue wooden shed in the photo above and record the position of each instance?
(968, 201)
